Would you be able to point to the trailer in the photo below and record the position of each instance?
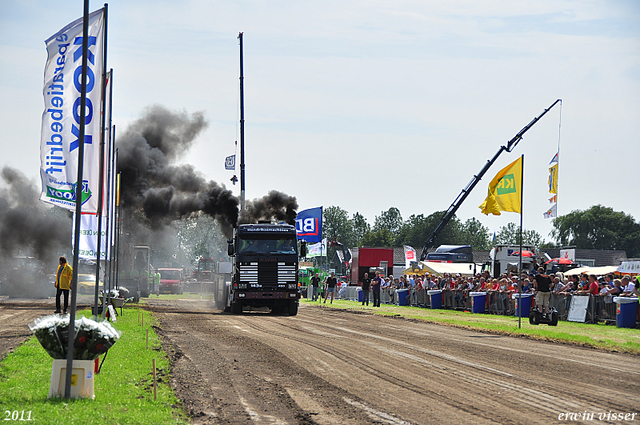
(370, 260)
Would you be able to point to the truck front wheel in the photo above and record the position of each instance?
(236, 307)
(293, 308)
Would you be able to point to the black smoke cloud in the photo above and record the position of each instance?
(163, 190)
(28, 226)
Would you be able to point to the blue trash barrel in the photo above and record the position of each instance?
(402, 296)
(626, 312)
(478, 302)
(435, 297)
(359, 295)
(525, 307)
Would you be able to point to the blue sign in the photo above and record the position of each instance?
(309, 225)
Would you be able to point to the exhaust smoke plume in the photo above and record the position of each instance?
(28, 226)
(32, 237)
(165, 191)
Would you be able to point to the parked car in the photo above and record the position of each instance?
(171, 280)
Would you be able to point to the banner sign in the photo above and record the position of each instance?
(318, 249)
(230, 162)
(309, 225)
(409, 256)
(89, 237)
(61, 117)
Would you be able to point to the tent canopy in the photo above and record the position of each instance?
(438, 269)
(598, 271)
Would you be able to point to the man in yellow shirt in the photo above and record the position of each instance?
(64, 276)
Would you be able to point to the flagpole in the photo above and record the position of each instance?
(101, 178)
(558, 162)
(79, 187)
(520, 266)
(242, 193)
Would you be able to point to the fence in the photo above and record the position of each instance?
(599, 308)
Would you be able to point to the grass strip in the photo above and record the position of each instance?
(601, 336)
(123, 389)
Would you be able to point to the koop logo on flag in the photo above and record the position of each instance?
(309, 225)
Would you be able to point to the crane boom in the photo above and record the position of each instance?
(448, 215)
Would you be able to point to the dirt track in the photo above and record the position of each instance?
(333, 367)
(326, 366)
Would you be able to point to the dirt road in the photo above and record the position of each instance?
(326, 366)
(15, 316)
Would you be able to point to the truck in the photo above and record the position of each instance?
(504, 258)
(264, 269)
(171, 280)
(451, 254)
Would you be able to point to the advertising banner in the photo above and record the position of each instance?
(61, 117)
(309, 225)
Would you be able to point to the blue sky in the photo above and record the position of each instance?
(366, 105)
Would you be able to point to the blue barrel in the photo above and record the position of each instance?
(626, 312)
(402, 296)
(478, 302)
(359, 295)
(435, 297)
(525, 305)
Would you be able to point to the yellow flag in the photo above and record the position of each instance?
(553, 179)
(505, 190)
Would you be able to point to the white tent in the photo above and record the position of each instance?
(630, 267)
(465, 269)
(598, 271)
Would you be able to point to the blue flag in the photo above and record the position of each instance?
(309, 225)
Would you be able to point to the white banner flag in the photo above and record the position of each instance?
(61, 117)
(318, 249)
(89, 237)
(410, 256)
(551, 212)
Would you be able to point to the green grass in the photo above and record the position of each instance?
(123, 389)
(599, 336)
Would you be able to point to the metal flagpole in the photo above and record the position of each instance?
(101, 178)
(242, 183)
(79, 184)
(520, 267)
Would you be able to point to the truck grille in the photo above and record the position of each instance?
(267, 275)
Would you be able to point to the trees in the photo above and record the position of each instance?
(390, 220)
(598, 227)
(510, 235)
(336, 224)
(473, 233)
(360, 227)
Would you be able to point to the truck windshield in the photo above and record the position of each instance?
(170, 274)
(267, 246)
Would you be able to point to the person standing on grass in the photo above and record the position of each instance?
(315, 283)
(64, 276)
(331, 287)
(376, 283)
(366, 287)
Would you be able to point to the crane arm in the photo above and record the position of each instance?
(451, 211)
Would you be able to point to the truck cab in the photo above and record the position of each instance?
(265, 268)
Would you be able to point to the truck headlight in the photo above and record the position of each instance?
(242, 286)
